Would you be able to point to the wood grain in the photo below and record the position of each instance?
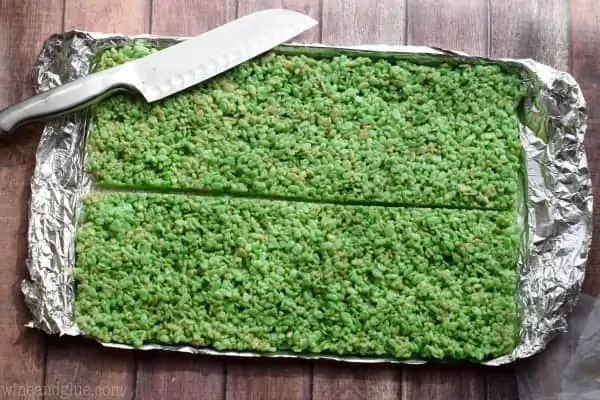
(454, 25)
(585, 51)
(364, 22)
(182, 376)
(585, 54)
(308, 7)
(83, 364)
(344, 381)
(501, 383)
(24, 25)
(190, 17)
(21, 350)
(112, 16)
(268, 379)
(533, 29)
(80, 369)
(444, 382)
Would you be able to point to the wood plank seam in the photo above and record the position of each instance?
(311, 380)
(569, 18)
(321, 8)
(488, 28)
(151, 16)
(407, 4)
(225, 365)
(404, 377)
(136, 362)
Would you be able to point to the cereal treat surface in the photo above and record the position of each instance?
(340, 205)
(266, 276)
(351, 129)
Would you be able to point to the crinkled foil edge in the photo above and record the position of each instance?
(557, 209)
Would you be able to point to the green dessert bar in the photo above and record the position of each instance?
(303, 278)
(333, 204)
(339, 129)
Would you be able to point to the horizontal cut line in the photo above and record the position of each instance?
(253, 196)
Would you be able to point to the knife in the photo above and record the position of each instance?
(167, 71)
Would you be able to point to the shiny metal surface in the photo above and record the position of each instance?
(195, 60)
(556, 207)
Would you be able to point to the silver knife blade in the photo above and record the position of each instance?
(196, 60)
(169, 70)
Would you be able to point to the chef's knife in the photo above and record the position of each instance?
(168, 71)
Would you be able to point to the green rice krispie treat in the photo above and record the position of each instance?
(343, 129)
(279, 276)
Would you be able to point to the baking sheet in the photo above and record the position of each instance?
(557, 203)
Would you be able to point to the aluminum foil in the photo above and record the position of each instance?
(556, 207)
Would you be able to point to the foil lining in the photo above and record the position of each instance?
(556, 208)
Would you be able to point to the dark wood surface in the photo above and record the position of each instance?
(562, 33)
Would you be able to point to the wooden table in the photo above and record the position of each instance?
(558, 32)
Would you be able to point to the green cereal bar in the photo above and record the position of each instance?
(277, 276)
(349, 129)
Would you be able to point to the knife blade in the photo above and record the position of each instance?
(169, 70)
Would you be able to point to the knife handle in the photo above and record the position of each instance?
(64, 99)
